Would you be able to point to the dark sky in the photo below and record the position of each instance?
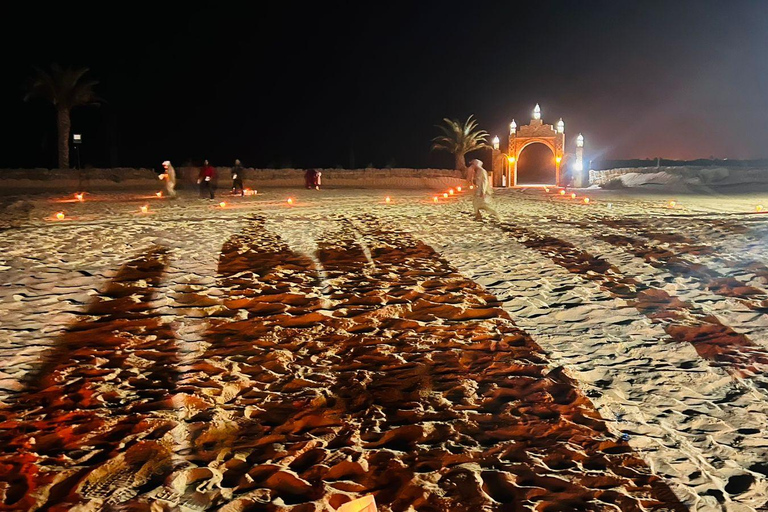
(328, 84)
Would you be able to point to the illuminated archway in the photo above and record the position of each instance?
(535, 132)
(536, 165)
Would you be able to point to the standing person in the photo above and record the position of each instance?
(483, 190)
(316, 179)
(237, 179)
(309, 178)
(169, 175)
(205, 179)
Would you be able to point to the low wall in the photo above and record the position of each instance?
(706, 175)
(14, 181)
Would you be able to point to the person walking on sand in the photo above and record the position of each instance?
(237, 179)
(483, 190)
(316, 179)
(205, 180)
(169, 175)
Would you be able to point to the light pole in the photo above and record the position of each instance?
(578, 165)
(77, 139)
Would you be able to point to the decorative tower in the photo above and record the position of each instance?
(579, 178)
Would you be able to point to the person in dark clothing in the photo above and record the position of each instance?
(237, 179)
(309, 178)
(205, 180)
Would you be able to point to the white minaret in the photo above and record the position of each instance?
(537, 112)
(560, 126)
(580, 180)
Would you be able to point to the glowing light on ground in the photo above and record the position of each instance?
(434, 199)
(672, 204)
(546, 189)
(159, 194)
(223, 204)
(759, 208)
(290, 200)
(586, 200)
(79, 196)
(144, 209)
(458, 188)
(388, 200)
(451, 191)
(60, 215)
(562, 192)
(573, 195)
(445, 194)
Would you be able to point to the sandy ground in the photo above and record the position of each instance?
(274, 356)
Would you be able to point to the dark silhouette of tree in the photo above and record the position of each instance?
(66, 89)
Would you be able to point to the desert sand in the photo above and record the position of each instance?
(270, 356)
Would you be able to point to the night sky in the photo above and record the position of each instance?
(360, 83)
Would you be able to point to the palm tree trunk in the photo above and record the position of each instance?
(460, 164)
(64, 124)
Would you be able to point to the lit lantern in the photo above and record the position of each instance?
(580, 141)
(458, 189)
(144, 209)
(672, 204)
(290, 200)
(79, 196)
(511, 159)
(546, 189)
(558, 159)
(159, 194)
(610, 205)
(537, 112)
(573, 195)
(512, 126)
(562, 192)
(471, 187)
(495, 143)
(60, 215)
(434, 199)
(450, 191)
(560, 126)
(388, 200)
(586, 200)
(223, 204)
(445, 194)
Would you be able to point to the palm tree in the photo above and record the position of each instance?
(460, 138)
(65, 89)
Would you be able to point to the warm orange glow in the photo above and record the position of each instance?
(159, 194)
(60, 215)
(458, 188)
(290, 200)
(434, 199)
(144, 209)
(573, 195)
(562, 192)
(387, 199)
(451, 191)
(546, 189)
(759, 208)
(445, 194)
(471, 187)
(558, 159)
(586, 200)
(672, 204)
(79, 196)
(511, 159)
(223, 204)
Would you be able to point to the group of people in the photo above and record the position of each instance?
(206, 179)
